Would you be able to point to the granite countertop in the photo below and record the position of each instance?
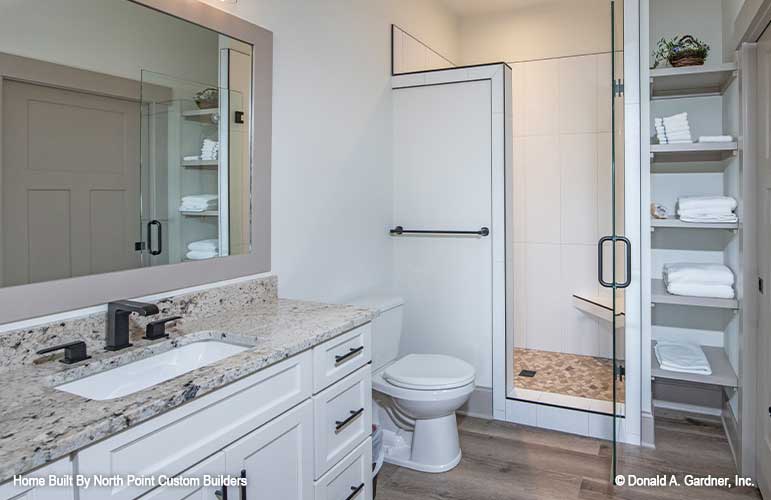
(39, 424)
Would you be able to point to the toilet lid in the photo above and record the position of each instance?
(429, 372)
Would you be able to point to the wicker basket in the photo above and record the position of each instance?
(207, 98)
(682, 62)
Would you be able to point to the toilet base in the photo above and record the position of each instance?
(432, 447)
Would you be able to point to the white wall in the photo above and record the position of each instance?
(700, 18)
(114, 37)
(540, 31)
(332, 169)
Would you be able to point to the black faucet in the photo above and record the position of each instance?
(74, 352)
(117, 321)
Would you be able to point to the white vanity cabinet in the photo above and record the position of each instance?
(296, 430)
(276, 459)
(60, 468)
(214, 465)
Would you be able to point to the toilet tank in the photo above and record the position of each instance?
(386, 327)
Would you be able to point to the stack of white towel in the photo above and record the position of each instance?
(682, 357)
(203, 249)
(673, 129)
(707, 209)
(210, 150)
(199, 203)
(699, 280)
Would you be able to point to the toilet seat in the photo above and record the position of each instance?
(429, 372)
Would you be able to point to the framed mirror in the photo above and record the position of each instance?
(133, 135)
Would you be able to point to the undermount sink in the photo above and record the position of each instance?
(147, 372)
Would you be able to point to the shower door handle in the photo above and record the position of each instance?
(150, 237)
(627, 264)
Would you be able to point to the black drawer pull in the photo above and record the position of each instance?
(221, 494)
(243, 484)
(356, 491)
(354, 415)
(351, 353)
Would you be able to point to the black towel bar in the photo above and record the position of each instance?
(399, 230)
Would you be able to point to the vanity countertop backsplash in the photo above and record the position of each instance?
(39, 423)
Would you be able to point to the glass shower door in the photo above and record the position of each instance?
(614, 250)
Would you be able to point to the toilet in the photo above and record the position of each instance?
(415, 396)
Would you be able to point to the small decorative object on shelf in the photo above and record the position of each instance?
(681, 51)
(207, 98)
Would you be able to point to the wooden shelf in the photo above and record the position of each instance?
(659, 295)
(678, 224)
(208, 213)
(723, 373)
(200, 163)
(202, 115)
(699, 151)
(693, 81)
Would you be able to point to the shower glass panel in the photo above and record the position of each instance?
(194, 175)
(566, 256)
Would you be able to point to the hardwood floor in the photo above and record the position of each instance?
(508, 461)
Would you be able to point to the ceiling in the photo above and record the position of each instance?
(482, 7)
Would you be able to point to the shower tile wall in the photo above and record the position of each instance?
(562, 196)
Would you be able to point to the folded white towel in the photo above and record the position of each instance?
(701, 290)
(706, 217)
(706, 202)
(191, 158)
(704, 274)
(716, 138)
(200, 197)
(682, 357)
(194, 255)
(199, 203)
(212, 245)
(678, 134)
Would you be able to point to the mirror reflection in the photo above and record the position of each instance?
(125, 140)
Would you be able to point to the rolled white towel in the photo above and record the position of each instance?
(706, 202)
(211, 245)
(682, 357)
(703, 274)
(195, 255)
(716, 138)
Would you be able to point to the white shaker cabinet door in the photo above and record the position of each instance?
(277, 459)
(213, 466)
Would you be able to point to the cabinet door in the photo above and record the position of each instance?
(213, 466)
(61, 468)
(277, 458)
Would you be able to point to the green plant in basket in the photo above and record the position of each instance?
(680, 51)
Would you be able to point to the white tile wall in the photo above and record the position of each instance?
(562, 199)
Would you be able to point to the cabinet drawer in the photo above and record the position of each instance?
(174, 441)
(343, 355)
(62, 467)
(343, 418)
(350, 479)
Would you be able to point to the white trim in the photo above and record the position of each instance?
(87, 311)
(701, 410)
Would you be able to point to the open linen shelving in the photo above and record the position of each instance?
(201, 115)
(200, 163)
(695, 152)
(692, 81)
(678, 224)
(722, 372)
(207, 213)
(659, 295)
